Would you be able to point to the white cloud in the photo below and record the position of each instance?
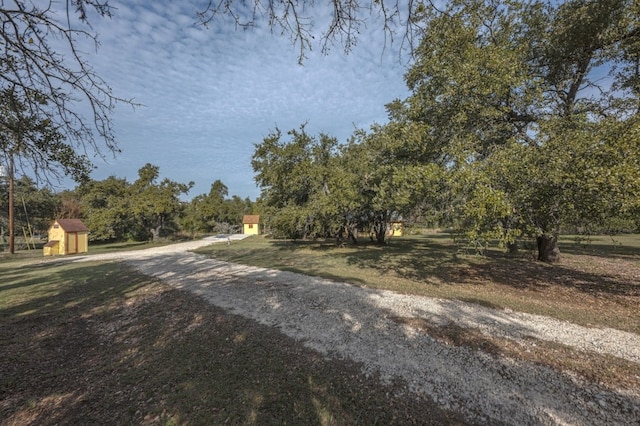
(210, 94)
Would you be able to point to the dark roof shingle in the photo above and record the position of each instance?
(251, 219)
(72, 225)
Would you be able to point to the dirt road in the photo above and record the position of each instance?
(360, 324)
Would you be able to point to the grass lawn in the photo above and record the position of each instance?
(96, 343)
(597, 282)
(94, 248)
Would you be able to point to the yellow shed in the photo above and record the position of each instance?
(251, 224)
(396, 229)
(67, 236)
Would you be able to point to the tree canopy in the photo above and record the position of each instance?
(215, 212)
(46, 84)
(115, 209)
(534, 108)
(523, 121)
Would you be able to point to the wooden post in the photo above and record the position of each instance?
(11, 224)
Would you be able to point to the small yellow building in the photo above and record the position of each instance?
(67, 236)
(251, 224)
(396, 229)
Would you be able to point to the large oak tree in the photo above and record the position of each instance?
(55, 107)
(534, 107)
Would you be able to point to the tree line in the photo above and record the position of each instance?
(114, 209)
(523, 121)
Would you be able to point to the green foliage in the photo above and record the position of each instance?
(295, 177)
(531, 135)
(155, 206)
(106, 208)
(34, 208)
(215, 212)
(30, 138)
(312, 187)
(114, 209)
(389, 175)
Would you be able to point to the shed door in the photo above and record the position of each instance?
(72, 242)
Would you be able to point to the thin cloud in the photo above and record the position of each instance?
(210, 94)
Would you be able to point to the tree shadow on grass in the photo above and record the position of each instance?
(62, 283)
(96, 353)
(603, 246)
(430, 260)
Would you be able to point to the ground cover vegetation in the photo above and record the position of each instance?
(522, 122)
(595, 284)
(114, 209)
(99, 343)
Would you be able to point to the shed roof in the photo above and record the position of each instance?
(72, 225)
(251, 219)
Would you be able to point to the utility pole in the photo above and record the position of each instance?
(11, 226)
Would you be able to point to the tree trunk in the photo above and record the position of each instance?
(380, 231)
(155, 232)
(548, 250)
(345, 229)
(352, 236)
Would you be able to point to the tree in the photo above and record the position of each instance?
(106, 207)
(115, 209)
(294, 177)
(214, 208)
(155, 206)
(297, 20)
(214, 212)
(42, 88)
(313, 187)
(33, 144)
(513, 96)
(388, 173)
(70, 206)
(34, 207)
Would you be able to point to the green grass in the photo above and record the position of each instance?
(626, 245)
(595, 284)
(96, 343)
(94, 248)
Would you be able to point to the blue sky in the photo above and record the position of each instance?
(210, 94)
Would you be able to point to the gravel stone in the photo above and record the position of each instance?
(341, 320)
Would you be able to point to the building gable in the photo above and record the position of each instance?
(71, 225)
(251, 219)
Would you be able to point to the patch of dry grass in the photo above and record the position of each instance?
(100, 344)
(593, 285)
(608, 370)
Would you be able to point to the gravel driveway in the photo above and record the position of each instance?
(340, 320)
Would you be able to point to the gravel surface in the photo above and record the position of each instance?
(357, 323)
